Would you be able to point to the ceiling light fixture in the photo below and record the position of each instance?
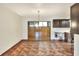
(38, 14)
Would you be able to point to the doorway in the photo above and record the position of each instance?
(39, 30)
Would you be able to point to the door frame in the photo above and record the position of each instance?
(49, 29)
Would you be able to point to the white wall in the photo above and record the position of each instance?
(10, 29)
(25, 29)
(76, 44)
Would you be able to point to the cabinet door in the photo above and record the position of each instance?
(74, 18)
(74, 12)
(74, 26)
(56, 23)
(78, 26)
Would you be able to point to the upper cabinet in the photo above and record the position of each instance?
(75, 19)
(61, 23)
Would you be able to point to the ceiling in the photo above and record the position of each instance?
(30, 9)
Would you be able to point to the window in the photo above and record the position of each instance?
(39, 24)
(44, 24)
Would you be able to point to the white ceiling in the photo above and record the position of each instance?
(30, 9)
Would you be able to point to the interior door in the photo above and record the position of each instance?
(39, 30)
(31, 33)
(45, 33)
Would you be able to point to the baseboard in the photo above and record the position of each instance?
(12, 47)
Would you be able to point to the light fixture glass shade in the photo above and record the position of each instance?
(74, 24)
